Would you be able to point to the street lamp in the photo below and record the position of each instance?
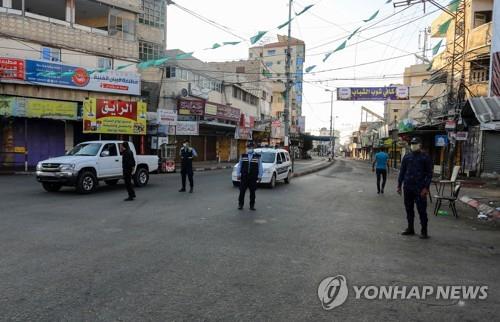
(331, 121)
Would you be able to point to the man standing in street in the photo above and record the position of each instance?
(415, 175)
(381, 166)
(128, 165)
(187, 154)
(249, 173)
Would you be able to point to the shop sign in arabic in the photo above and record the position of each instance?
(373, 93)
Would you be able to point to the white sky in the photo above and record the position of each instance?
(327, 20)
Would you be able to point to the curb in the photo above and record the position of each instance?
(314, 169)
(212, 168)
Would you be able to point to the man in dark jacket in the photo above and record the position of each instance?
(249, 171)
(415, 175)
(187, 154)
(128, 165)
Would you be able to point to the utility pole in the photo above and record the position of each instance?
(331, 121)
(286, 112)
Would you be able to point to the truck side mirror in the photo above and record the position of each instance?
(105, 153)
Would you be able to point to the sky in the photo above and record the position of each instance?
(323, 28)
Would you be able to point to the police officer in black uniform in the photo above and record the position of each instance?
(187, 154)
(128, 165)
(415, 176)
(249, 173)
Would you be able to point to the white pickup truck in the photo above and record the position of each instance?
(90, 162)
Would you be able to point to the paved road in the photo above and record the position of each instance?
(178, 256)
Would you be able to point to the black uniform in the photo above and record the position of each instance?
(128, 164)
(187, 154)
(249, 173)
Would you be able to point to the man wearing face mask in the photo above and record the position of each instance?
(249, 173)
(187, 154)
(415, 176)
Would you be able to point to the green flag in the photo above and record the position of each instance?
(430, 65)
(436, 48)
(160, 61)
(443, 28)
(453, 6)
(257, 37)
(145, 64)
(124, 66)
(373, 16)
(353, 33)
(216, 45)
(341, 46)
(310, 68)
(285, 24)
(388, 1)
(184, 56)
(304, 10)
(232, 43)
(266, 73)
(327, 56)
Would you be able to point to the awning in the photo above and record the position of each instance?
(485, 110)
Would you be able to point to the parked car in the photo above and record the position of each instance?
(277, 166)
(88, 163)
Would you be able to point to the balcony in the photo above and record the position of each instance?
(87, 29)
(480, 38)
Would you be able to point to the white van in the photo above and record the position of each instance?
(277, 166)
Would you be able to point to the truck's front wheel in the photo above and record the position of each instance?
(87, 182)
(51, 186)
(141, 177)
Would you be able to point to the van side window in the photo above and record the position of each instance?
(283, 158)
(278, 158)
(287, 156)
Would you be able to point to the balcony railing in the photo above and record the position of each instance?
(479, 76)
(480, 36)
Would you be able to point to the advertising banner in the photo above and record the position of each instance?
(191, 108)
(373, 93)
(66, 76)
(12, 68)
(38, 108)
(210, 109)
(228, 113)
(441, 140)
(167, 117)
(243, 133)
(187, 128)
(114, 117)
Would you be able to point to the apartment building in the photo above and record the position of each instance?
(54, 56)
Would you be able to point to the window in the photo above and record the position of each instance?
(122, 27)
(278, 62)
(269, 64)
(111, 148)
(278, 159)
(51, 54)
(153, 13)
(171, 72)
(482, 17)
(240, 69)
(480, 71)
(271, 52)
(264, 95)
(283, 158)
(149, 51)
(104, 63)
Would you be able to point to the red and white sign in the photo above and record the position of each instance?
(450, 125)
(12, 68)
(247, 121)
(111, 108)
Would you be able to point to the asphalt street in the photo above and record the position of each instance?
(171, 256)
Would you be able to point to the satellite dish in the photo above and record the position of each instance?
(184, 92)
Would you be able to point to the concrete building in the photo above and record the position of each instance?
(273, 58)
(54, 55)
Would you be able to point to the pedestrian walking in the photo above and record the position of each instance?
(381, 167)
(128, 166)
(415, 176)
(187, 154)
(249, 173)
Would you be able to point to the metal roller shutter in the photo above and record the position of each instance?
(491, 152)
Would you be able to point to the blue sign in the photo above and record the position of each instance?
(441, 140)
(56, 74)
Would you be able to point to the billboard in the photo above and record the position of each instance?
(66, 76)
(12, 69)
(187, 128)
(167, 117)
(191, 108)
(114, 117)
(38, 108)
(373, 93)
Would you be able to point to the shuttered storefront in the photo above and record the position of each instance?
(491, 152)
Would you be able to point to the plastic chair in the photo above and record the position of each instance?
(451, 201)
(452, 182)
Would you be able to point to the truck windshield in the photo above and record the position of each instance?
(85, 149)
(268, 157)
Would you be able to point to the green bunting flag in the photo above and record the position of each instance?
(310, 68)
(388, 1)
(160, 61)
(232, 43)
(257, 37)
(453, 6)
(430, 66)
(443, 28)
(184, 56)
(436, 48)
(285, 24)
(353, 33)
(341, 46)
(124, 66)
(145, 64)
(327, 56)
(304, 10)
(216, 45)
(372, 16)
(266, 73)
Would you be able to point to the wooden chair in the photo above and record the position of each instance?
(451, 201)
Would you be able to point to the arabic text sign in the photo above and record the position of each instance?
(11, 68)
(66, 76)
(167, 117)
(114, 117)
(38, 108)
(186, 128)
(373, 93)
(193, 108)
